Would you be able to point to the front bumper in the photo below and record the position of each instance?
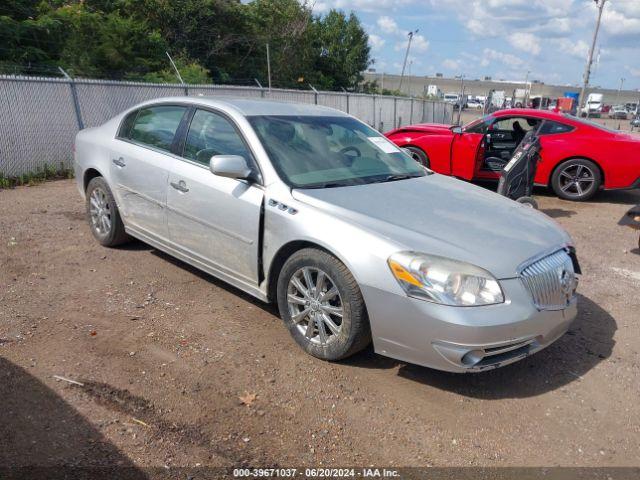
(463, 339)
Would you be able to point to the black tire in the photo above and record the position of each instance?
(528, 201)
(113, 235)
(419, 156)
(563, 180)
(354, 331)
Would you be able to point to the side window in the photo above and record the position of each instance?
(156, 126)
(509, 124)
(127, 124)
(211, 134)
(551, 127)
(479, 126)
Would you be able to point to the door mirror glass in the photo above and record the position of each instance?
(457, 130)
(230, 166)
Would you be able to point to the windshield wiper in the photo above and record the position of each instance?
(395, 177)
(327, 185)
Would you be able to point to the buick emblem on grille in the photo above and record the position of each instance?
(567, 283)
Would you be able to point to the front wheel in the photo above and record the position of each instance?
(528, 202)
(576, 179)
(322, 306)
(419, 155)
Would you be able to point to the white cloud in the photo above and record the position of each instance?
(363, 5)
(451, 64)
(387, 24)
(419, 44)
(489, 56)
(376, 41)
(634, 71)
(625, 22)
(527, 42)
(579, 49)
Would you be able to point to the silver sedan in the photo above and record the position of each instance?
(308, 207)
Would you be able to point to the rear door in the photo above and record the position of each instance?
(215, 220)
(139, 166)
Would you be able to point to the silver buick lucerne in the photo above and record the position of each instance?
(308, 207)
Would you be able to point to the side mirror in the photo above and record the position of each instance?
(230, 166)
(457, 130)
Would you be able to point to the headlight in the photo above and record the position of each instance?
(445, 281)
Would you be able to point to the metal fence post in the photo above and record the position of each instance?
(395, 112)
(315, 94)
(74, 97)
(374, 112)
(347, 102)
(411, 113)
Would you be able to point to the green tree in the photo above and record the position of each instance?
(341, 50)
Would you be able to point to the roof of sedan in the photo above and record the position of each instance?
(255, 106)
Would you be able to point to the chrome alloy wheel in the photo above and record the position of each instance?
(576, 180)
(315, 305)
(100, 212)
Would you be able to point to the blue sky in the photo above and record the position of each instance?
(502, 38)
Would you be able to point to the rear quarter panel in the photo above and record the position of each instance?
(93, 151)
(617, 157)
(436, 146)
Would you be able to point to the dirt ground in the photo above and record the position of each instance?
(179, 369)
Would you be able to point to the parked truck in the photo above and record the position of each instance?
(593, 106)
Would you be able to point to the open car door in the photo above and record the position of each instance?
(467, 153)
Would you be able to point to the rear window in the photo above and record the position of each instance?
(550, 127)
(156, 126)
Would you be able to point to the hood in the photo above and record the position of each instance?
(439, 128)
(447, 217)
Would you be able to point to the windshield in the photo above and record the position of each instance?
(322, 152)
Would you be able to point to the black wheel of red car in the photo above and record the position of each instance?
(576, 179)
(419, 156)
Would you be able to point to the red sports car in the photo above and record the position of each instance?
(578, 157)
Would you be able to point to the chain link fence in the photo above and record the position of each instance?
(40, 116)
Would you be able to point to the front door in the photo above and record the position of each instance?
(464, 154)
(213, 219)
(139, 167)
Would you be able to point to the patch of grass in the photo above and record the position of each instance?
(42, 174)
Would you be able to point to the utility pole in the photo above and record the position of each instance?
(619, 90)
(461, 99)
(268, 67)
(406, 55)
(587, 69)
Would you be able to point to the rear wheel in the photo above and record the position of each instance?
(419, 156)
(576, 179)
(321, 305)
(103, 215)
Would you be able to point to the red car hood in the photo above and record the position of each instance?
(439, 128)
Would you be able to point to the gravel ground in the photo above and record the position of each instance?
(179, 369)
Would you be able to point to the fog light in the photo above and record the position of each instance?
(472, 357)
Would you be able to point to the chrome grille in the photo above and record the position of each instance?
(551, 281)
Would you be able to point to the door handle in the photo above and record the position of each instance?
(119, 162)
(180, 186)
